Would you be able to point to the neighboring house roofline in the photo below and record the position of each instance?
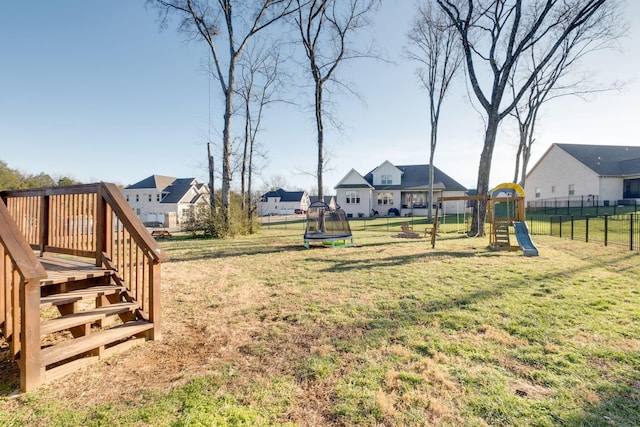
(155, 182)
(416, 177)
(604, 160)
(353, 172)
(285, 196)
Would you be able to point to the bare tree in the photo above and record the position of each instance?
(435, 46)
(325, 28)
(232, 23)
(275, 181)
(260, 81)
(494, 34)
(559, 79)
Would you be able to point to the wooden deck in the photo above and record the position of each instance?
(62, 270)
(79, 278)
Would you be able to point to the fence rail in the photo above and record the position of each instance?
(619, 230)
(606, 229)
(582, 205)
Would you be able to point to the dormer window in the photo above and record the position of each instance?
(386, 179)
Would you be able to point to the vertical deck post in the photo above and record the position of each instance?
(44, 222)
(100, 226)
(154, 300)
(31, 371)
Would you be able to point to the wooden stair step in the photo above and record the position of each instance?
(85, 317)
(77, 346)
(79, 294)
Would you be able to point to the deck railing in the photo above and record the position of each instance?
(93, 221)
(20, 274)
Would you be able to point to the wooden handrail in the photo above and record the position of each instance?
(118, 203)
(18, 249)
(89, 221)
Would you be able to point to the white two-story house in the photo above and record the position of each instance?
(164, 200)
(396, 190)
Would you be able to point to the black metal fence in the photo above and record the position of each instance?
(621, 230)
(606, 229)
(582, 206)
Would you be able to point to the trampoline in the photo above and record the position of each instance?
(326, 226)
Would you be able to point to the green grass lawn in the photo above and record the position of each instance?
(260, 331)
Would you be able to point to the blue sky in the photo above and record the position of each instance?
(93, 90)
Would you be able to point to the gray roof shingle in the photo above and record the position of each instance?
(158, 182)
(285, 196)
(606, 160)
(416, 177)
(177, 190)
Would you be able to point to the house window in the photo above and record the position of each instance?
(137, 197)
(158, 197)
(149, 197)
(538, 191)
(385, 199)
(631, 188)
(138, 211)
(553, 188)
(127, 197)
(572, 189)
(415, 200)
(386, 180)
(353, 197)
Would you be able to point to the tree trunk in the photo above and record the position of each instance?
(249, 197)
(434, 136)
(243, 172)
(320, 130)
(226, 149)
(484, 174)
(212, 198)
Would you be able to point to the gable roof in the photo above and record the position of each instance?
(353, 179)
(416, 177)
(606, 160)
(177, 190)
(157, 182)
(285, 196)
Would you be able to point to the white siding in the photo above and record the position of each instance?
(384, 209)
(139, 201)
(355, 209)
(168, 213)
(611, 189)
(389, 170)
(557, 170)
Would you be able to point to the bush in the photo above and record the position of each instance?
(200, 220)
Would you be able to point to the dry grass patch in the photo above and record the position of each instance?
(389, 332)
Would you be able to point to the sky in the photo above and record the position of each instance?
(96, 91)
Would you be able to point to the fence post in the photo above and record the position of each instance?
(560, 225)
(630, 231)
(586, 224)
(572, 227)
(606, 229)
